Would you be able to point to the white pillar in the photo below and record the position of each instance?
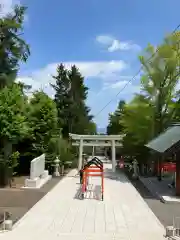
(80, 154)
(93, 152)
(113, 156)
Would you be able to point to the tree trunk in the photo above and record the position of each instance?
(158, 130)
(7, 151)
(3, 175)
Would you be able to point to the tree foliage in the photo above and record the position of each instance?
(115, 126)
(13, 127)
(32, 125)
(13, 122)
(42, 118)
(13, 48)
(70, 97)
(157, 106)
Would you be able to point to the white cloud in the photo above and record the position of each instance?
(122, 85)
(119, 84)
(127, 87)
(113, 44)
(102, 70)
(99, 69)
(104, 39)
(108, 72)
(6, 6)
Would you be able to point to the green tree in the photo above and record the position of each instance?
(13, 48)
(70, 97)
(42, 118)
(137, 125)
(13, 124)
(61, 148)
(150, 112)
(161, 75)
(114, 126)
(91, 128)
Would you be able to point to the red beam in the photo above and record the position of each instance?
(92, 170)
(93, 175)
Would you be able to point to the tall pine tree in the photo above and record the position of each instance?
(12, 47)
(70, 97)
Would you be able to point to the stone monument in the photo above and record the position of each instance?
(38, 175)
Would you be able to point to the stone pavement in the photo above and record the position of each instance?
(160, 189)
(61, 215)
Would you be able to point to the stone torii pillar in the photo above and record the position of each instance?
(80, 154)
(113, 156)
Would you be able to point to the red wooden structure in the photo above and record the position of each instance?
(94, 168)
(168, 167)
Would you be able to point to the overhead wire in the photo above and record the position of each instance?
(134, 77)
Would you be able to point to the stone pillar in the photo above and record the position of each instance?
(135, 169)
(80, 154)
(113, 156)
(56, 167)
(93, 151)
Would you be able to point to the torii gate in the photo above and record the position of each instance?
(112, 141)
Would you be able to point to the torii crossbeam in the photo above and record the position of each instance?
(112, 141)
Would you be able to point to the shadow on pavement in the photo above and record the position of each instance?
(143, 191)
(164, 212)
(93, 192)
(78, 193)
(117, 176)
(124, 177)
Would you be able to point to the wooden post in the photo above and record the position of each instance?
(159, 168)
(113, 156)
(102, 184)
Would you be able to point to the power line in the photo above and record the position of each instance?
(134, 77)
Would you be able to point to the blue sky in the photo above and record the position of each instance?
(102, 37)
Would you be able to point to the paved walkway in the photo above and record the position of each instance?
(160, 189)
(61, 215)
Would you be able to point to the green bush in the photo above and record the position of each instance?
(59, 147)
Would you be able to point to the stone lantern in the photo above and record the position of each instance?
(135, 169)
(56, 167)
